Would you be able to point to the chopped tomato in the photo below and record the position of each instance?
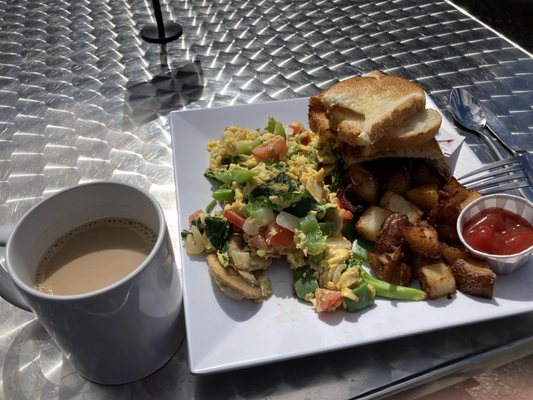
(327, 300)
(279, 236)
(195, 215)
(235, 218)
(346, 215)
(296, 129)
(272, 149)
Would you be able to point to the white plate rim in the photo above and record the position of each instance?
(203, 363)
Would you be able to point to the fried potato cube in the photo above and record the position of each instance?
(473, 279)
(478, 262)
(460, 195)
(452, 254)
(453, 187)
(364, 183)
(424, 197)
(396, 203)
(417, 261)
(472, 195)
(370, 222)
(437, 280)
(398, 181)
(423, 240)
(447, 233)
(390, 267)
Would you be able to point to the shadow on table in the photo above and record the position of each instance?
(171, 89)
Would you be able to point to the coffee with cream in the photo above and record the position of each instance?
(94, 256)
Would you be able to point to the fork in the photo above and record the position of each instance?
(511, 173)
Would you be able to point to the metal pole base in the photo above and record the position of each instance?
(150, 33)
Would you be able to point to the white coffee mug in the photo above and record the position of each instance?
(117, 334)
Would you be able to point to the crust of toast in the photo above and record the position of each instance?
(318, 121)
(429, 150)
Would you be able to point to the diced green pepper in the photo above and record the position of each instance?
(364, 296)
(391, 291)
(327, 228)
(275, 127)
(314, 260)
(210, 206)
(251, 208)
(239, 175)
(360, 249)
(304, 282)
(315, 241)
(224, 195)
(246, 147)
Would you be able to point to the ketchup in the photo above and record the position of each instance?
(498, 231)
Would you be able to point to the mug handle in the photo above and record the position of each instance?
(7, 288)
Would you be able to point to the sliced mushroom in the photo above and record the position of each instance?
(249, 278)
(240, 259)
(236, 283)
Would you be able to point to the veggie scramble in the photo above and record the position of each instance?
(277, 188)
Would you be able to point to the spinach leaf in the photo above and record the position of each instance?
(280, 184)
(337, 173)
(301, 208)
(218, 231)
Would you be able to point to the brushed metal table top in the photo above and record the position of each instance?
(78, 102)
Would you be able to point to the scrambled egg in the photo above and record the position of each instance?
(270, 182)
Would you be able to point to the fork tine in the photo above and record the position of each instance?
(503, 171)
(508, 174)
(509, 186)
(489, 167)
(491, 182)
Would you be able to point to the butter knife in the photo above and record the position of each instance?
(504, 135)
(508, 140)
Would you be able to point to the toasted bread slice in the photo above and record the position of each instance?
(429, 150)
(422, 127)
(418, 130)
(365, 108)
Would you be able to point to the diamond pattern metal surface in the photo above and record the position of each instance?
(80, 100)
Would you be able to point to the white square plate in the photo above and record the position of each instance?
(224, 334)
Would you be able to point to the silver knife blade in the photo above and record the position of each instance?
(508, 140)
(504, 135)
